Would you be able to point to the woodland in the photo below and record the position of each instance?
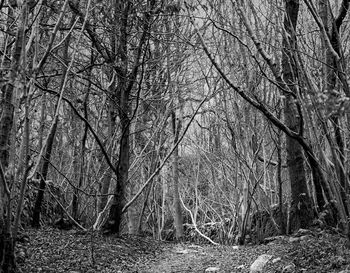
(215, 122)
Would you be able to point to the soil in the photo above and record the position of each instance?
(52, 250)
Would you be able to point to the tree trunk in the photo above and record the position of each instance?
(125, 84)
(50, 141)
(84, 139)
(76, 158)
(107, 171)
(177, 213)
(123, 109)
(333, 69)
(7, 255)
(115, 217)
(301, 206)
(80, 158)
(334, 73)
(282, 221)
(44, 171)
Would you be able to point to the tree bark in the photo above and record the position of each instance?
(47, 155)
(177, 213)
(301, 206)
(334, 73)
(7, 255)
(125, 84)
(123, 109)
(107, 171)
(76, 158)
(43, 175)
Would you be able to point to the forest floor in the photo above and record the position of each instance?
(52, 250)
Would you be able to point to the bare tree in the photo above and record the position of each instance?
(301, 205)
(7, 164)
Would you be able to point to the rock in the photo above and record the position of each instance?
(305, 237)
(259, 263)
(235, 247)
(345, 271)
(212, 269)
(242, 266)
(269, 239)
(294, 239)
(289, 268)
(276, 260)
(274, 238)
(303, 231)
(183, 251)
(195, 247)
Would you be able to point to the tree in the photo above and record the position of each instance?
(271, 73)
(8, 98)
(301, 206)
(333, 72)
(44, 167)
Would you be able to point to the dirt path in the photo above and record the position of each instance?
(57, 251)
(194, 258)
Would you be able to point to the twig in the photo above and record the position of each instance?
(3, 178)
(322, 28)
(166, 158)
(99, 222)
(195, 225)
(60, 97)
(65, 211)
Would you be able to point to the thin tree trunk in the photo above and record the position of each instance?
(25, 164)
(44, 171)
(7, 255)
(177, 213)
(76, 158)
(334, 72)
(83, 140)
(107, 171)
(122, 177)
(280, 182)
(48, 149)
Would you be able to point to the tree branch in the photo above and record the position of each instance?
(342, 13)
(166, 158)
(99, 142)
(322, 28)
(256, 104)
(93, 36)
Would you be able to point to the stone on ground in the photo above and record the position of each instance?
(289, 268)
(212, 269)
(276, 260)
(259, 263)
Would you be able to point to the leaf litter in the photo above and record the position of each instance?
(51, 250)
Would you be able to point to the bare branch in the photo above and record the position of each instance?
(344, 8)
(150, 179)
(322, 28)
